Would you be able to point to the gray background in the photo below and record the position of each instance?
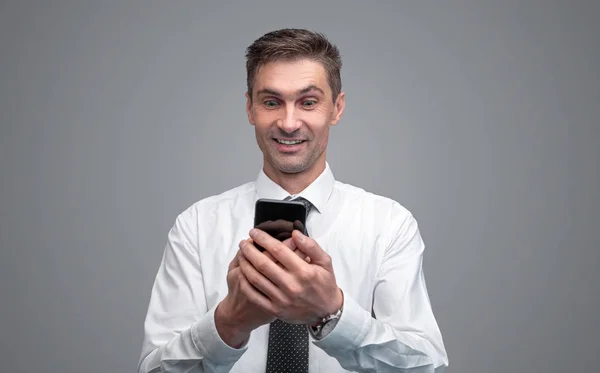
(481, 118)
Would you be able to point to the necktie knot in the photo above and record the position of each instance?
(306, 202)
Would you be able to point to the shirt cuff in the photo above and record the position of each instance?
(207, 340)
(350, 330)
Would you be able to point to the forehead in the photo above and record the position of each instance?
(288, 77)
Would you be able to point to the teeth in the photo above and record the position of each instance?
(286, 142)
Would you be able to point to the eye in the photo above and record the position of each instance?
(309, 103)
(270, 104)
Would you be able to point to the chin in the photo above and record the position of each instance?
(291, 167)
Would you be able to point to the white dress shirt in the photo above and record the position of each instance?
(387, 324)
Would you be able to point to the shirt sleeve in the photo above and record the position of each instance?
(179, 330)
(401, 333)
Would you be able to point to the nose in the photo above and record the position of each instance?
(290, 122)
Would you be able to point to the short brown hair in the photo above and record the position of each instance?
(290, 45)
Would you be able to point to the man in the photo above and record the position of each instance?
(350, 296)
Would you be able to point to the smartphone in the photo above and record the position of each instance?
(279, 218)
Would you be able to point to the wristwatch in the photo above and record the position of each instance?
(321, 329)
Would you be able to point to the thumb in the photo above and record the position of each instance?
(289, 242)
(311, 248)
(292, 245)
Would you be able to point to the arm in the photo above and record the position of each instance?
(404, 335)
(179, 331)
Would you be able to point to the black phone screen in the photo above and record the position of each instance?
(279, 218)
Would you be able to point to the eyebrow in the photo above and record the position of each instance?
(273, 92)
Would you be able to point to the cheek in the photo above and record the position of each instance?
(316, 120)
(324, 136)
(261, 133)
(321, 135)
(263, 120)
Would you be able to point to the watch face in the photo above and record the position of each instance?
(328, 327)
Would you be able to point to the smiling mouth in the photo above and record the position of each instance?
(289, 142)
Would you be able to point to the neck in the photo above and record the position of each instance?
(297, 182)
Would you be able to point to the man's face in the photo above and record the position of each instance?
(291, 110)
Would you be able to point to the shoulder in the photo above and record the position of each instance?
(361, 198)
(394, 223)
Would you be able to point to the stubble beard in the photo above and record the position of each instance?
(292, 163)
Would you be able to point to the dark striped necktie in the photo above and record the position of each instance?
(288, 343)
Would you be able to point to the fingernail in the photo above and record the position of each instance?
(253, 232)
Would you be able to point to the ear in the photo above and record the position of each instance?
(338, 109)
(249, 109)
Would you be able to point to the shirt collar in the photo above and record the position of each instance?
(317, 192)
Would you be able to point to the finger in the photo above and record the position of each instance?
(290, 243)
(266, 253)
(235, 262)
(265, 265)
(255, 296)
(311, 248)
(302, 255)
(259, 281)
(277, 249)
